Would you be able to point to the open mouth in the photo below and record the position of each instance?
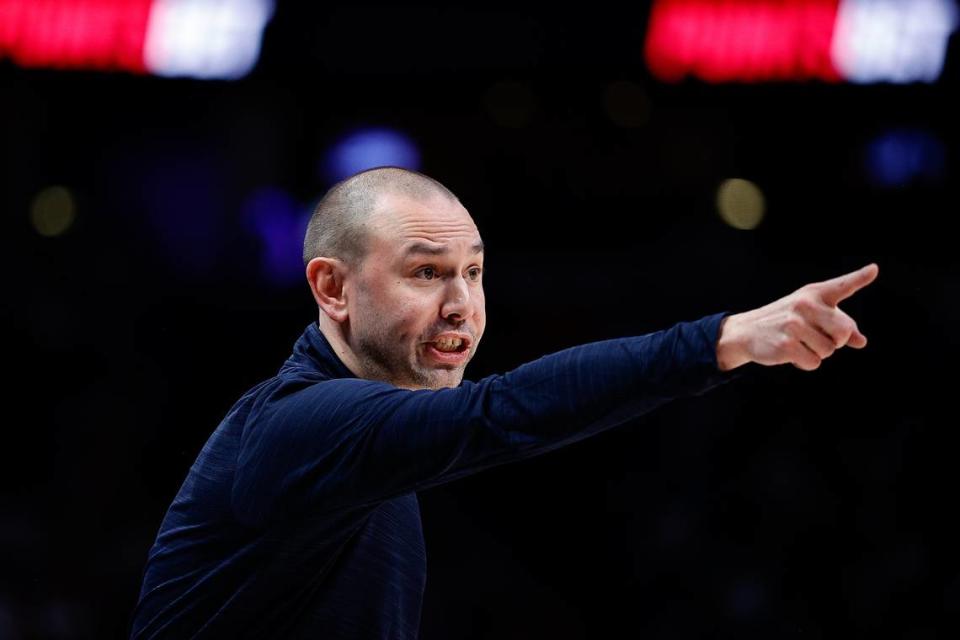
(451, 342)
(449, 346)
(449, 351)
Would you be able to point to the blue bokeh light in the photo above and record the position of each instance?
(899, 157)
(279, 223)
(368, 148)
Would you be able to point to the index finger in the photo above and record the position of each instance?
(835, 290)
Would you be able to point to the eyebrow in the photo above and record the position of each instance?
(425, 249)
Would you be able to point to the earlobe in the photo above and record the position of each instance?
(326, 279)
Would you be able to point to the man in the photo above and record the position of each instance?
(299, 518)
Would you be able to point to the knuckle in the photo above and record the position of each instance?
(802, 304)
(793, 322)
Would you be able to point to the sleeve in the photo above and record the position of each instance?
(351, 442)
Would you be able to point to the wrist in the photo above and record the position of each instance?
(730, 351)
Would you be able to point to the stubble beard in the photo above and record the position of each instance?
(383, 359)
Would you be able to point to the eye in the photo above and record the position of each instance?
(427, 273)
(475, 273)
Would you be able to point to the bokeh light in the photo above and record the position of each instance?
(206, 39)
(740, 203)
(53, 211)
(898, 157)
(369, 148)
(279, 223)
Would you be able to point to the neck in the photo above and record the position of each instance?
(333, 332)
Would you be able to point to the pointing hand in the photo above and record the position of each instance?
(802, 328)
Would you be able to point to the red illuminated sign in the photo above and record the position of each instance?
(743, 40)
(758, 40)
(92, 34)
(194, 38)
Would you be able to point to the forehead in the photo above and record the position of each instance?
(401, 222)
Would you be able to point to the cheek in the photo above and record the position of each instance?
(381, 304)
(481, 310)
(404, 315)
(407, 320)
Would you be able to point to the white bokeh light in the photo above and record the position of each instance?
(206, 39)
(896, 41)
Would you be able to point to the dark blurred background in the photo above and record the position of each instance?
(151, 267)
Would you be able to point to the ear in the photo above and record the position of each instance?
(326, 277)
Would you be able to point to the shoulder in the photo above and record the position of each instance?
(314, 394)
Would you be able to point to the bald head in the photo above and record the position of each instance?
(337, 228)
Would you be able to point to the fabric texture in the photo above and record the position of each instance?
(299, 518)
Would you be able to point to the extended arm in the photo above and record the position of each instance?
(350, 442)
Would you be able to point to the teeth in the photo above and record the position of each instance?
(448, 344)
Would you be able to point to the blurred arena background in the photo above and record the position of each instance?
(628, 167)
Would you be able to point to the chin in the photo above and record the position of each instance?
(450, 381)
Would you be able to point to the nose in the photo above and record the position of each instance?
(458, 303)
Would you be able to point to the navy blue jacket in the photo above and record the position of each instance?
(299, 518)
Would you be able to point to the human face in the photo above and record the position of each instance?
(421, 280)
